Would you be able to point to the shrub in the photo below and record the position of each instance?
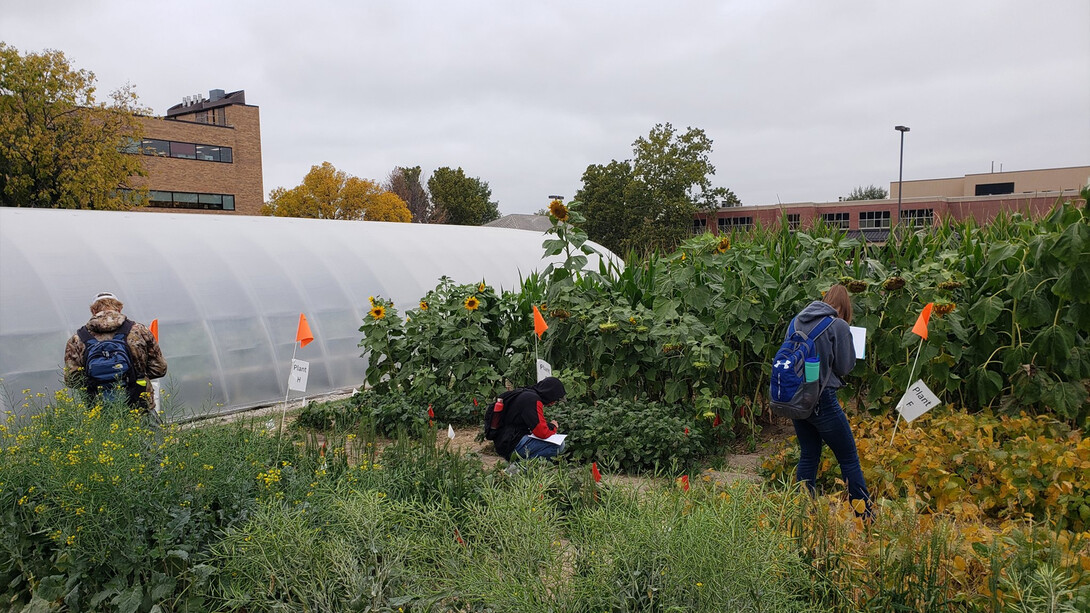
(631, 435)
(973, 466)
(382, 414)
(100, 507)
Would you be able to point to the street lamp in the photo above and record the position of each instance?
(901, 172)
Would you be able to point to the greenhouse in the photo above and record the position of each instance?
(227, 293)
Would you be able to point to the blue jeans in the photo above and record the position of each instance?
(828, 425)
(536, 448)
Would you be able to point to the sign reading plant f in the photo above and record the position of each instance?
(918, 400)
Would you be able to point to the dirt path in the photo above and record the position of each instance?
(738, 465)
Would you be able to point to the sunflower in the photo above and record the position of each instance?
(423, 305)
(378, 312)
(724, 244)
(472, 303)
(480, 288)
(944, 308)
(371, 300)
(893, 284)
(558, 210)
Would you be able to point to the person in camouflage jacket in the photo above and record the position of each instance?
(144, 353)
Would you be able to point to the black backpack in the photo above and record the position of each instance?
(494, 415)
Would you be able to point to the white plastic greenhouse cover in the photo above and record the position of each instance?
(228, 291)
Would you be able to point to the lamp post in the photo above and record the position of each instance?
(900, 172)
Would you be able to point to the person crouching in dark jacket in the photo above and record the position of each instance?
(523, 416)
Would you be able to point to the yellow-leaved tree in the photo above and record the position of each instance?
(59, 148)
(328, 193)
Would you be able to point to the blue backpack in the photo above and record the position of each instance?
(789, 394)
(108, 363)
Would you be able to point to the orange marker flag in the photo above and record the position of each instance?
(539, 323)
(921, 323)
(154, 328)
(302, 334)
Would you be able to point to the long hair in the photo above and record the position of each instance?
(837, 297)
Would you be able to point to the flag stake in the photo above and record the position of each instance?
(284, 408)
(897, 417)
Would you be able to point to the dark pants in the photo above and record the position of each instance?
(530, 447)
(829, 425)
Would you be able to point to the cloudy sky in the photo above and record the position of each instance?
(799, 97)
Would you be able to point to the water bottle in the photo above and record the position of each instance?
(813, 369)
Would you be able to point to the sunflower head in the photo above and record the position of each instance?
(371, 300)
(558, 210)
(423, 305)
(378, 312)
(724, 245)
(481, 287)
(893, 283)
(944, 308)
(472, 303)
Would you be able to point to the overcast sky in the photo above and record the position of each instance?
(800, 98)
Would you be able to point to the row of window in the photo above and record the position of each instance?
(175, 149)
(868, 220)
(190, 200)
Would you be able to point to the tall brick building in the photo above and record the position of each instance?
(204, 156)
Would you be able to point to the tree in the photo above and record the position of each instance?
(328, 193)
(463, 200)
(59, 148)
(405, 182)
(649, 201)
(678, 167)
(870, 192)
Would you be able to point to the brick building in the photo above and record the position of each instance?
(932, 201)
(204, 156)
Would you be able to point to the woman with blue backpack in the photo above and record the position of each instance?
(820, 335)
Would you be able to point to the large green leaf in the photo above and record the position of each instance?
(1054, 343)
(1064, 397)
(1074, 283)
(986, 310)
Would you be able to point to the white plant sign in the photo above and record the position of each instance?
(297, 380)
(543, 369)
(918, 400)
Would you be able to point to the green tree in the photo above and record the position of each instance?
(328, 193)
(462, 200)
(870, 192)
(405, 182)
(59, 148)
(649, 201)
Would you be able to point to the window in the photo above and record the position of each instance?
(994, 189)
(794, 221)
(728, 224)
(872, 220)
(190, 200)
(836, 220)
(186, 151)
(157, 147)
(700, 226)
(918, 218)
(215, 117)
(183, 150)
